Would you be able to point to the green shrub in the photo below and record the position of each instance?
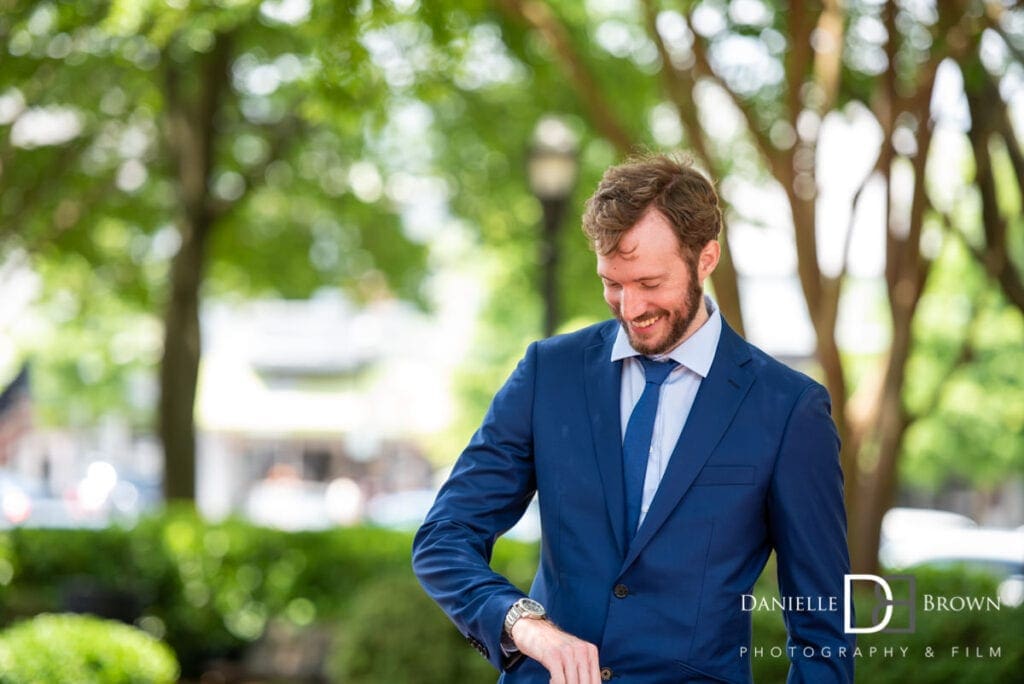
(210, 590)
(396, 635)
(78, 649)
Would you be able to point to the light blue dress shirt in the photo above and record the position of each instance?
(677, 393)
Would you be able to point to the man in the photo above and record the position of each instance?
(669, 458)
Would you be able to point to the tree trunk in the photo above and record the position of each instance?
(877, 489)
(179, 369)
(727, 288)
(988, 115)
(191, 101)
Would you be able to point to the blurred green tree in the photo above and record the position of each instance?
(161, 145)
(261, 130)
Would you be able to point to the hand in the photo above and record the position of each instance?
(568, 659)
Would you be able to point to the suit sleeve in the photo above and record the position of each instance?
(807, 519)
(490, 487)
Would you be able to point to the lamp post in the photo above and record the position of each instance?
(552, 169)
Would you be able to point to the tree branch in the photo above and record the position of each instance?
(986, 109)
(776, 161)
(889, 105)
(828, 59)
(540, 16)
(798, 57)
(1008, 279)
(1000, 123)
(848, 238)
(679, 85)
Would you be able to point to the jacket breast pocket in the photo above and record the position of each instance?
(725, 475)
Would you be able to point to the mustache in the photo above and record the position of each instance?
(653, 313)
(647, 315)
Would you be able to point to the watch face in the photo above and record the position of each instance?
(530, 606)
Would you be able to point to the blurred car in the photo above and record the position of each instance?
(16, 495)
(921, 538)
(909, 533)
(100, 498)
(902, 522)
(288, 504)
(399, 510)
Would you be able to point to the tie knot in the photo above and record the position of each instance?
(656, 371)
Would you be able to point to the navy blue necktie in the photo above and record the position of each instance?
(636, 446)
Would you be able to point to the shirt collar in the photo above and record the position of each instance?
(696, 353)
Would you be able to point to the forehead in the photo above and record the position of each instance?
(649, 247)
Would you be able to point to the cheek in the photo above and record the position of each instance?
(612, 298)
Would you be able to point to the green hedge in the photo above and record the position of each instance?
(210, 590)
(78, 649)
(397, 635)
(393, 637)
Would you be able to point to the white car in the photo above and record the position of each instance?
(914, 538)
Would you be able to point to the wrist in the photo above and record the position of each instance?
(523, 609)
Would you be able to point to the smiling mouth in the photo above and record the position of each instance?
(645, 323)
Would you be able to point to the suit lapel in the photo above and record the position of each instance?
(718, 398)
(603, 386)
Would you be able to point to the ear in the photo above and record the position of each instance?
(707, 260)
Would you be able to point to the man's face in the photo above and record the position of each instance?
(654, 292)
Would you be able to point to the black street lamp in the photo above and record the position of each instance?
(552, 169)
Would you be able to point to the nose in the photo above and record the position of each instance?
(632, 304)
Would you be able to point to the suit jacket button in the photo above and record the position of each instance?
(606, 674)
(621, 591)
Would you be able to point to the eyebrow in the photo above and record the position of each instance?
(642, 279)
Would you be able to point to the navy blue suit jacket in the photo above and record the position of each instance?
(755, 469)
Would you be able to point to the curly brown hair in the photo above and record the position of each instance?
(683, 195)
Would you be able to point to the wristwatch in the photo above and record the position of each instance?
(523, 608)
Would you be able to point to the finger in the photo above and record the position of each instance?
(583, 671)
(592, 668)
(568, 656)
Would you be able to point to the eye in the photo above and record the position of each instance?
(650, 286)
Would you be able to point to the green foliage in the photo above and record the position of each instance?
(396, 634)
(211, 589)
(964, 385)
(294, 187)
(78, 649)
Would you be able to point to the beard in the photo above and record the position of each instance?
(679, 320)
